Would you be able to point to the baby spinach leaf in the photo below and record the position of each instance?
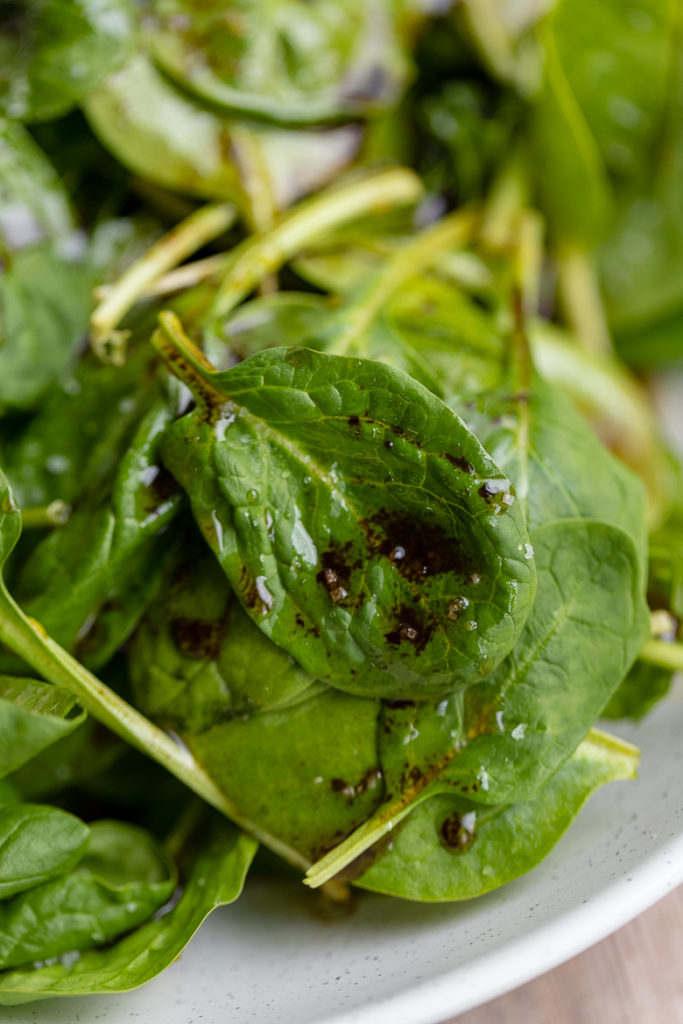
(573, 185)
(33, 203)
(301, 65)
(213, 877)
(45, 303)
(109, 552)
(173, 141)
(84, 424)
(193, 657)
(119, 883)
(54, 52)
(453, 849)
(76, 757)
(36, 844)
(503, 739)
(622, 97)
(544, 446)
(360, 523)
(311, 800)
(33, 716)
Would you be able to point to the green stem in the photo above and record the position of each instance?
(28, 640)
(664, 654)
(187, 362)
(410, 259)
(200, 227)
(262, 254)
(55, 514)
(579, 294)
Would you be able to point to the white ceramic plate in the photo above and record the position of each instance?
(270, 960)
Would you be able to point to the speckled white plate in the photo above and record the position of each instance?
(270, 960)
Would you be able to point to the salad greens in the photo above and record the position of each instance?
(325, 443)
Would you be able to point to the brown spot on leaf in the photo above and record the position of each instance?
(197, 638)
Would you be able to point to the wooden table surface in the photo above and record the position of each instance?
(633, 977)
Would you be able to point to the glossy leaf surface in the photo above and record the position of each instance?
(214, 877)
(122, 879)
(37, 843)
(453, 849)
(361, 525)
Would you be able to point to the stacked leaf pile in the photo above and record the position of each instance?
(330, 504)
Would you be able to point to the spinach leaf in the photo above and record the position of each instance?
(110, 551)
(310, 800)
(361, 524)
(173, 141)
(71, 760)
(453, 849)
(33, 716)
(197, 659)
(301, 65)
(36, 844)
(213, 877)
(33, 203)
(73, 443)
(503, 739)
(45, 302)
(573, 185)
(52, 53)
(120, 881)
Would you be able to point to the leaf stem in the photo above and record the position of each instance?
(200, 227)
(186, 362)
(28, 640)
(579, 294)
(262, 254)
(663, 653)
(55, 514)
(411, 258)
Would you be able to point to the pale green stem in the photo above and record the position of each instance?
(55, 514)
(28, 640)
(262, 254)
(579, 294)
(408, 261)
(664, 654)
(491, 37)
(200, 227)
(180, 278)
(350, 849)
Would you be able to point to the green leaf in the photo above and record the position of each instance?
(197, 659)
(119, 883)
(36, 844)
(80, 431)
(360, 523)
(300, 65)
(453, 849)
(52, 53)
(310, 800)
(45, 302)
(107, 560)
(33, 716)
(503, 740)
(165, 136)
(539, 439)
(33, 204)
(572, 181)
(623, 96)
(215, 877)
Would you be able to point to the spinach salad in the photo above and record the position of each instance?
(333, 508)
